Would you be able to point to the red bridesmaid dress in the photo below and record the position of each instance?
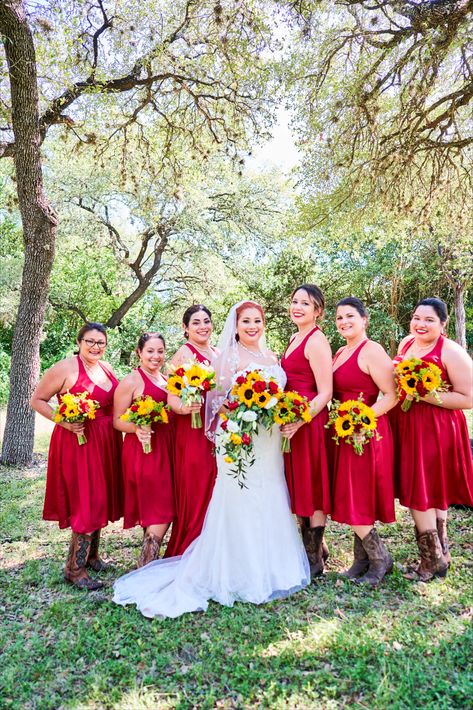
(84, 482)
(362, 486)
(306, 465)
(433, 463)
(195, 470)
(148, 478)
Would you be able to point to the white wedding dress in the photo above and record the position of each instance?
(249, 549)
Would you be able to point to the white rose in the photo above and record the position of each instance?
(272, 403)
(232, 426)
(249, 416)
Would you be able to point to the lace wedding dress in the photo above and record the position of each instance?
(249, 549)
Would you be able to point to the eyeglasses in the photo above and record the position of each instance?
(100, 343)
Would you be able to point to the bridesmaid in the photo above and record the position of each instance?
(308, 366)
(363, 486)
(433, 463)
(148, 478)
(83, 484)
(195, 467)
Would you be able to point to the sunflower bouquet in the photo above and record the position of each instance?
(145, 411)
(291, 408)
(417, 378)
(75, 408)
(252, 402)
(354, 423)
(190, 381)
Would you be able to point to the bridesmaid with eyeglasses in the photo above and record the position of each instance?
(84, 483)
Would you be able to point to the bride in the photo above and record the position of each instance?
(249, 548)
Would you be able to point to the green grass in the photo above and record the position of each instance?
(334, 645)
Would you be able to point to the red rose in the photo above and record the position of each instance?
(180, 372)
(62, 409)
(418, 368)
(134, 408)
(205, 385)
(240, 380)
(356, 410)
(232, 405)
(259, 386)
(296, 402)
(273, 387)
(224, 425)
(245, 439)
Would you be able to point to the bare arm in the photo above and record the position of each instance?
(374, 360)
(459, 367)
(59, 378)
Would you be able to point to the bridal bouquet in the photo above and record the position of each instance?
(75, 408)
(354, 423)
(190, 381)
(417, 378)
(145, 411)
(252, 401)
(292, 407)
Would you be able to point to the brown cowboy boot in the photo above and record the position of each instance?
(150, 549)
(94, 561)
(75, 570)
(443, 537)
(304, 523)
(432, 560)
(380, 561)
(312, 539)
(360, 560)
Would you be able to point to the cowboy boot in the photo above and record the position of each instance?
(380, 561)
(304, 523)
(75, 570)
(432, 560)
(360, 560)
(94, 561)
(443, 537)
(149, 549)
(312, 539)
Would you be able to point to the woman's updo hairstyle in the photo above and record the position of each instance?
(355, 303)
(315, 294)
(189, 312)
(243, 306)
(439, 306)
(90, 326)
(144, 337)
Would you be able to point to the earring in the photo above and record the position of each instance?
(186, 334)
(237, 337)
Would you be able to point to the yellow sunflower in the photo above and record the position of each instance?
(195, 375)
(164, 416)
(175, 384)
(235, 439)
(368, 418)
(253, 377)
(431, 380)
(408, 384)
(306, 416)
(346, 406)
(404, 366)
(281, 413)
(245, 394)
(344, 425)
(261, 399)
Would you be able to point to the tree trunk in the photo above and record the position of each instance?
(39, 231)
(460, 318)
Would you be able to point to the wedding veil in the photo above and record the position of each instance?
(225, 365)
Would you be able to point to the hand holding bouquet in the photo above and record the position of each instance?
(417, 378)
(74, 408)
(252, 401)
(290, 409)
(354, 423)
(144, 412)
(190, 381)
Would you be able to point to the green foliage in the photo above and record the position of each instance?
(333, 645)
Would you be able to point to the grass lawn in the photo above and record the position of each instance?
(334, 645)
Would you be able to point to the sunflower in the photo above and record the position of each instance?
(344, 425)
(235, 439)
(281, 413)
(431, 380)
(164, 416)
(195, 376)
(245, 394)
(404, 367)
(175, 384)
(408, 384)
(261, 399)
(368, 418)
(253, 377)
(306, 416)
(347, 405)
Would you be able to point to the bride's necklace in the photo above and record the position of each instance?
(256, 353)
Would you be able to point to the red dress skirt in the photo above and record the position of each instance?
(433, 463)
(306, 465)
(362, 486)
(195, 470)
(148, 478)
(84, 483)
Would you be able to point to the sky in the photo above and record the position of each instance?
(280, 151)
